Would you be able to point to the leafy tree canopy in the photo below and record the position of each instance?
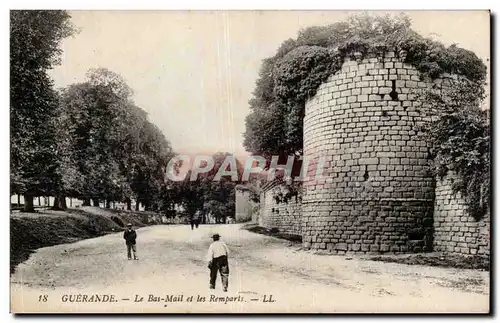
(34, 48)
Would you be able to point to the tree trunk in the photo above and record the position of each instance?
(114, 205)
(28, 203)
(129, 204)
(137, 205)
(108, 204)
(70, 202)
(18, 199)
(39, 202)
(86, 201)
(57, 205)
(60, 202)
(95, 202)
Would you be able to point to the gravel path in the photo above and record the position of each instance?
(172, 265)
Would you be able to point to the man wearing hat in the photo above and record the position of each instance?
(217, 261)
(130, 235)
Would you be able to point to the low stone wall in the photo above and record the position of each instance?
(285, 216)
(391, 225)
(455, 231)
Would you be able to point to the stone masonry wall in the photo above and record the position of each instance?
(285, 216)
(377, 194)
(455, 231)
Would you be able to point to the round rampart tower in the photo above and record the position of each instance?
(377, 192)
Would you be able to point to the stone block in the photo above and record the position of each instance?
(341, 246)
(363, 98)
(384, 247)
(395, 248)
(345, 93)
(355, 247)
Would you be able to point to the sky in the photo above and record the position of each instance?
(193, 72)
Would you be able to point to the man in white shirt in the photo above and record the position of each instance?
(217, 262)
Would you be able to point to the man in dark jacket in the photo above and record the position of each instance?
(130, 236)
(191, 221)
(197, 218)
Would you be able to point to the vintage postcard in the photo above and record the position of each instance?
(249, 161)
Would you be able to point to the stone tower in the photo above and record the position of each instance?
(377, 193)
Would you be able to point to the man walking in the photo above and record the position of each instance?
(197, 218)
(217, 262)
(191, 221)
(130, 236)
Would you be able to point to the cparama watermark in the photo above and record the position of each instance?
(182, 166)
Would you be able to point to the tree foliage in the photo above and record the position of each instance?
(34, 48)
(206, 193)
(460, 134)
(117, 152)
(89, 140)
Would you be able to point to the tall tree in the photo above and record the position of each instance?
(119, 153)
(34, 48)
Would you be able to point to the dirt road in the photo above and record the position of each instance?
(267, 275)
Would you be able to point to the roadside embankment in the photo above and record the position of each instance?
(30, 231)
